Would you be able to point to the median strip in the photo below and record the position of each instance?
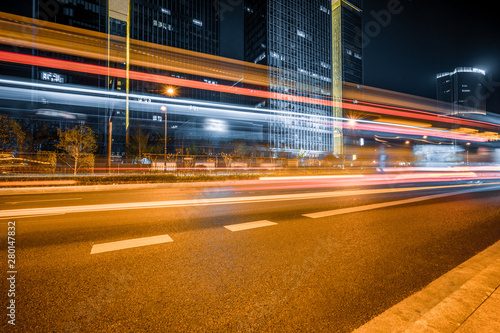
(130, 243)
(249, 225)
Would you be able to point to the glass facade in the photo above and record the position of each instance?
(185, 24)
(463, 89)
(191, 25)
(352, 52)
(310, 48)
(294, 39)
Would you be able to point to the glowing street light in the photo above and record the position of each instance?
(170, 91)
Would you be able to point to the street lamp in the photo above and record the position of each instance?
(164, 109)
(171, 92)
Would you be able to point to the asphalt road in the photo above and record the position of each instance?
(326, 274)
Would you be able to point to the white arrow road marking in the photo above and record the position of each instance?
(130, 243)
(249, 225)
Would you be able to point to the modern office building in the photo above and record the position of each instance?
(310, 47)
(463, 89)
(347, 23)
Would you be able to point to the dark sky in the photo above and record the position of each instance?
(425, 38)
(428, 37)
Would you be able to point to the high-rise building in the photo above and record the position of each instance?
(347, 62)
(463, 89)
(310, 49)
(347, 23)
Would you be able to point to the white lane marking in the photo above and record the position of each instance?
(218, 201)
(31, 201)
(249, 225)
(130, 243)
(378, 205)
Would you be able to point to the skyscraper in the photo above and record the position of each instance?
(346, 26)
(303, 43)
(155, 27)
(463, 89)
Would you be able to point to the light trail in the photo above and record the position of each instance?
(19, 31)
(16, 213)
(99, 98)
(94, 69)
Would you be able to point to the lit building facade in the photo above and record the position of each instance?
(463, 89)
(303, 43)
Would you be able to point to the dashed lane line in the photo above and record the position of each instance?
(249, 225)
(130, 243)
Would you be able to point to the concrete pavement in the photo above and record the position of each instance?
(465, 300)
(486, 318)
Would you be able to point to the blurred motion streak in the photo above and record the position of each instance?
(28, 33)
(38, 183)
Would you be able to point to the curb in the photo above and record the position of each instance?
(120, 187)
(447, 303)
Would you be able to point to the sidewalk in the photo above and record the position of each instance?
(486, 318)
(464, 300)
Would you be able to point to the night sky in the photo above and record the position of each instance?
(425, 38)
(428, 37)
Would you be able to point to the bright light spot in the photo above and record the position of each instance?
(215, 125)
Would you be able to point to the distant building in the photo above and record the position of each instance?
(463, 89)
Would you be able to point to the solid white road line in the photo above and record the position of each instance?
(249, 225)
(378, 205)
(218, 201)
(130, 243)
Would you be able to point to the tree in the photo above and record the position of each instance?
(79, 144)
(302, 154)
(12, 138)
(139, 144)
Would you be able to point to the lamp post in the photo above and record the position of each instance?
(171, 92)
(164, 109)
